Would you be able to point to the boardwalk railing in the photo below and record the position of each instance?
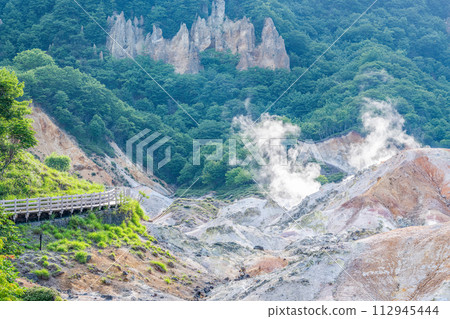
(61, 204)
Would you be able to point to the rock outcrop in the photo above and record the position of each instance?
(127, 39)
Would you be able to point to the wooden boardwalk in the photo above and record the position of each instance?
(36, 207)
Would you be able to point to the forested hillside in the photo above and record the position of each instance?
(398, 51)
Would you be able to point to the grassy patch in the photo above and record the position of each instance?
(65, 245)
(81, 233)
(28, 178)
(81, 257)
(42, 274)
(159, 266)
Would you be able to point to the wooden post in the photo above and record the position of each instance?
(39, 206)
(28, 201)
(71, 211)
(15, 205)
(81, 205)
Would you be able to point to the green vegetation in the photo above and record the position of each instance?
(159, 266)
(16, 133)
(322, 179)
(10, 236)
(398, 51)
(65, 245)
(238, 177)
(21, 175)
(84, 232)
(26, 177)
(59, 162)
(10, 240)
(9, 289)
(81, 257)
(41, 294)
(42, 274)
(336, 177)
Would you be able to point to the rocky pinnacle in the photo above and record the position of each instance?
(182, 51)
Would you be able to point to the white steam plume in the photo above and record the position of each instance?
(385, 135)
(288, 180)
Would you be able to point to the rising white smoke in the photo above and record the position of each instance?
(288, 180)
(385, 137)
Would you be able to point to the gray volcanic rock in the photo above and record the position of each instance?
(380, 234)
(127, 39)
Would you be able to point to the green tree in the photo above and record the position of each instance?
(187, 173)
(97, 128)
(214, 173)
(32, 59)
(238, 176)
(16, 133)
(58, 162)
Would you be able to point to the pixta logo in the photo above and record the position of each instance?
(143, 141)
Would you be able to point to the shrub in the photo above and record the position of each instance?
(159, 266)
(81, 257)
(102, 244)
(238, 176)
(41, 294)
(58, 162)
(42, 274)
(168, 280)
(322, 180)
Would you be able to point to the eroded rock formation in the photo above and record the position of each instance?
(127, 39)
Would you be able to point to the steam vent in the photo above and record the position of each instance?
(182, 51)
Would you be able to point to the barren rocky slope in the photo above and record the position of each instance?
(381, 234)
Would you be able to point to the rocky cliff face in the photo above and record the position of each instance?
(127, 39)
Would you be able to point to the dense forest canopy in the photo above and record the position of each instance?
(398, 51)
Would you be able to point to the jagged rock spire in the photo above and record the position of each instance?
(182, 51)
